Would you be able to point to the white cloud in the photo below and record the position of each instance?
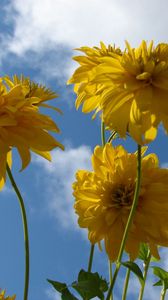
(164, 165)
(41, 26)
(150, 292)
(52, 294)
(164, 258)
(58, 177)
(7, 190)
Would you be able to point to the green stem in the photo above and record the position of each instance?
(91, 258)
(103, 133)
(129, 221)
(146, 267)
(92, 246)
(110, 277)
(25, 229)
(163, 294)
(127, 277)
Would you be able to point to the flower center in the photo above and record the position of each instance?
(122, 196)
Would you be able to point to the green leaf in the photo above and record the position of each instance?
(63, 289)
(163, 275)
(90, 285)
(103, 285)
(67, 295)
(59, 286)
(143, 252)
(135, 269)
(158, 283)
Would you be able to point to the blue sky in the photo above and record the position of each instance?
(37, 40)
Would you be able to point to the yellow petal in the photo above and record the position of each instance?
(25, 155)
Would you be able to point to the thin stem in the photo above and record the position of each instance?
(134, 205)
(103, 133)
(129, 221)
(146, 267)
(163, 293)
(110, 277)
(25, 229)
(92, 246)
(127, 277)
(91, 258)
(113, 281)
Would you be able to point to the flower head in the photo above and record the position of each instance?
(131, 90)
(2, 296)
(88, 92)
(21, 124)
(103, 200)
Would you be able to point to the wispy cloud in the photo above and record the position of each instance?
(77, 22)
(164, 165)
(7, 190)
(41, 27)
(58, 177)
(52, 294)
(150, 292)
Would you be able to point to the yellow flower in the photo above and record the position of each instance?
(133, 90)
(2, 296)
(88, 93)
(103, 199)
(21, 124)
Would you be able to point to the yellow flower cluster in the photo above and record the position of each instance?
(129, 87)
(21, 124)
(104, 196)
(130, 91)
(2, 296)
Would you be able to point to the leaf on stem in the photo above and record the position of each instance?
(63, 289)
(163, 276)
(143, 252)
(90, 285)
(133, 267)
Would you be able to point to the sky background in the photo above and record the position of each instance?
(37, 39)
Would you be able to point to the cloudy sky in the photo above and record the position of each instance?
(37, 40)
